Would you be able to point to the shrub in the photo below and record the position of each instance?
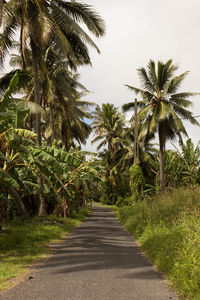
(136, 181)
(126, 201)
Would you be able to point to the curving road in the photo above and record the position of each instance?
(98, 261)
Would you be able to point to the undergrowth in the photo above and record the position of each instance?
(168, 228)
(23, 242)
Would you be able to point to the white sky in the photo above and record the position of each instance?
(137, 31)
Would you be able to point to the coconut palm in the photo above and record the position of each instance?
(64, 101)
(42, 21)
(61, 97)
(162, 108)
(55, 21)
(108, 125)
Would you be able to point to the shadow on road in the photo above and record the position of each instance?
(101, 243)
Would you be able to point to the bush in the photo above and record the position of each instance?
(126, 201)
(136, 182)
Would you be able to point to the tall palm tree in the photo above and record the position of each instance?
(162, 108)
(56, 21)
(41, 21)
(108, 125)
(61, 98)
(64, 100)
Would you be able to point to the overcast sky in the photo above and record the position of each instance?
(139, 30)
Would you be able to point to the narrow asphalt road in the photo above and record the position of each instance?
(98, 261)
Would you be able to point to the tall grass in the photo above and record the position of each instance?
(168, 228)
(23, 242)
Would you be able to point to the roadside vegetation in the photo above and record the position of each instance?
(168, 229)
(23, 242)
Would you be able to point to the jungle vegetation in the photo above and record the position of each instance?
(44, 119)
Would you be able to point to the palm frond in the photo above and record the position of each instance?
(153, 123)
(146, 81)
(178, 123)
(180, 101)
(128, 106)
(185, 114)
(69, 26)
(83, 13)
(7, 38)
(164, 111)
(35, 20)
(175, 83)
(152, 73)
(144, 112)
(146, 95)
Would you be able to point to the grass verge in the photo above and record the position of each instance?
(22, 243)
(168, 229)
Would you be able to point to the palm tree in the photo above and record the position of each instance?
(162, 108)
(41, 21)
(63, 100)
(108, 126)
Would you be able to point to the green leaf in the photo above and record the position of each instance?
(7, 180)
(25, 133)
(63, 156)
(48, 159)
(8, 93)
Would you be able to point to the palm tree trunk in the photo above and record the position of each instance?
(162, 175)
(36, 91)
(162, 140)
(1, 7)
(42, 209)
(136, 152)
(22, 42)
(53, 137)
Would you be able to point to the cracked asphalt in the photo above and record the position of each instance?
(99, 260)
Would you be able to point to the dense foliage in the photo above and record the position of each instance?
(41, 168)
(66, 176)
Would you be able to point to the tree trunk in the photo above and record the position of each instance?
(162, 175)
(1, 8)
(36, 91)
(21, 209)
(136, 152)
(22, 46)
(42, 208)
(53, 137)
(66, 207)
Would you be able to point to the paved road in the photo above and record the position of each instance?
(98, 261)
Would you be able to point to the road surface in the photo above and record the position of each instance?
(99, 260)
